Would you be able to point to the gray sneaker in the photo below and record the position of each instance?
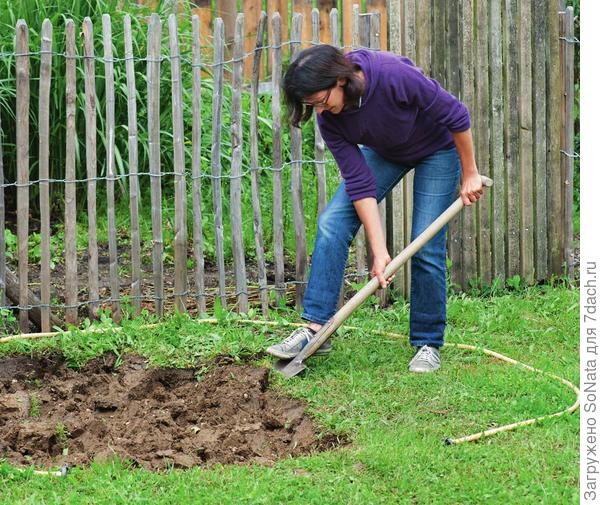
(426, 360)
(293, 344)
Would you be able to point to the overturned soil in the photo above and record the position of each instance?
(51, 414)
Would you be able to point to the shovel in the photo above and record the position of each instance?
(290, 368)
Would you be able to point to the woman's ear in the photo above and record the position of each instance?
(342, 82)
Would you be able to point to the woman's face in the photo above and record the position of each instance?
(331, 99)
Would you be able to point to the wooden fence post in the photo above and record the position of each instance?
(526, 144)
(555, 186)
(196, 166)
(277, 161)
(44, 158)
(482, 138)
(538, 9)
(110, 167)
(23, 95)
(257, 214)
(235, 184)
(511, 136)
(71, 298)
(319, 143)
(217, 118)
(469, 214)
(567, 135)
(153, 80)
(180, 231)
(497, 142)
(89, 65)
(297, 200)
(134, 188)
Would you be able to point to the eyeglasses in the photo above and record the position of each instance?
(322, 103)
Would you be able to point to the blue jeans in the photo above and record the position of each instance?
(435, 188)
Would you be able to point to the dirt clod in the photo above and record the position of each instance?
(157, 418)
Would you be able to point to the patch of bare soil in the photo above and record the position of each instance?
(156, 417)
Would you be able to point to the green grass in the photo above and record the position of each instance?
(396, 421)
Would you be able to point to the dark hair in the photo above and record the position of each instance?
(316, 69)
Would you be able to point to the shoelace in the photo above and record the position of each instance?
(426, 354)
(296, 333)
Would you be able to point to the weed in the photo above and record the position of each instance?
(34, 405)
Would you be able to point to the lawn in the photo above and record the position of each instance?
(396, 421)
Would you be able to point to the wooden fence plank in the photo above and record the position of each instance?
(319, 143)
(296, 183)
(554, 193)
(335, 27)
(227, 11)
(375, 43)
(410, 49)
(324, 8)
(335, 41)
(380, 7)
(360, 242)
(424, 37)
(44, 159)
(203, 10)
(304, 7)
(134, 187)
(23, 97)
(348, 24)
(567, 136)
(281, 7)
(180, 231)
(252, 10)
(277, 161)
(235, 185)
(110, 167)
(497, 142)
(70, 177)
(511, 136)
(198, 236)
(453, 66)
(89, 64)
(438, 49)
(469, 230)
(254, 174)
(217, 118)
(364, 29)
(526, 142)
(395, 203)
(153, 81)
(539, 137)
(482, 135)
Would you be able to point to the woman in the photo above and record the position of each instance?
(381, 117)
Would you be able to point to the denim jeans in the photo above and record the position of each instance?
(435, 188)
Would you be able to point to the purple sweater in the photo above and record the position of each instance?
(404, 117)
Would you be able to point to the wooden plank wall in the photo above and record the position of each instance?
(522, 227)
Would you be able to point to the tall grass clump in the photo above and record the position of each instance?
(58, 12)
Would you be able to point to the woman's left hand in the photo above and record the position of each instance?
(471, 188)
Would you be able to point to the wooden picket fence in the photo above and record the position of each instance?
(512, 64)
